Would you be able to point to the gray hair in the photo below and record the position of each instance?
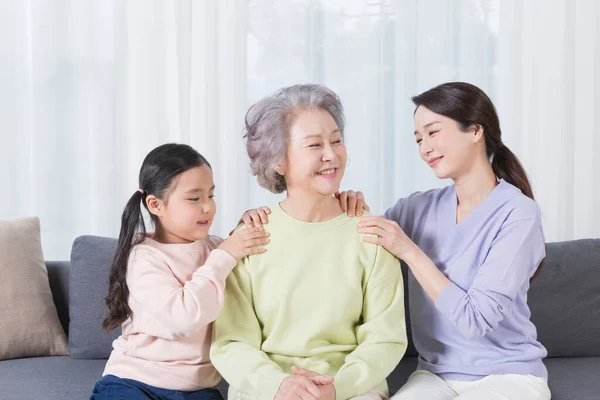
(268, 122)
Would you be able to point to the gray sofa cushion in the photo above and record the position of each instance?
(565, 299)
(574, 378)
(91, 258)
(63, 378)
(48, 378)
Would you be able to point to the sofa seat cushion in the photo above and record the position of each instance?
(49, 378)
(574, 378)
(65, 378)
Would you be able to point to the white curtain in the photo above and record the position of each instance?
(89, 87)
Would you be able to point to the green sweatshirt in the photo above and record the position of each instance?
(320, 298)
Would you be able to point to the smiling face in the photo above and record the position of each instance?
(189, 209)
(449, 150)
(315, 156)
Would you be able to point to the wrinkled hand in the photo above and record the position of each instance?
(296, 387)
(325, 382)
(387, 234)
(352, 202)
(243, 242)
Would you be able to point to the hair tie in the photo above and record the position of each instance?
(141, 191)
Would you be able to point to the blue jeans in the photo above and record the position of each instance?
(111, 387)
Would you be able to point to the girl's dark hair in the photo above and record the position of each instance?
(160, 169)
(468, 105)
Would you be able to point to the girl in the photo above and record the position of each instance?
(167, 287)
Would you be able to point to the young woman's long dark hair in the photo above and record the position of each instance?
(468, 105)
(158, 173)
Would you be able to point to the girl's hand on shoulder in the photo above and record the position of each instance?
(255, 217)
(246, 242)
(352, 202)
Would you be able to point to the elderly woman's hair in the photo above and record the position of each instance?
(268, 123)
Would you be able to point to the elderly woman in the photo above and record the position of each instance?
(320, 315)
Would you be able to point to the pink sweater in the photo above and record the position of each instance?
(175, 293)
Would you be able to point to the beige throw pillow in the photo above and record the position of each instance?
(29, 324)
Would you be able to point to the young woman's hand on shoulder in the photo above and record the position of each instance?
(388, 234)
(352, 202)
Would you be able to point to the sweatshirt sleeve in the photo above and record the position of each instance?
(179, 309)
(236, 350)
(515, 254)
(381, 337)
(394, 213)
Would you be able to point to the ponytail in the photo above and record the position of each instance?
(508, 167)
(132, 233)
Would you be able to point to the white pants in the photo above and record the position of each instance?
(426, 385)
(372, 394)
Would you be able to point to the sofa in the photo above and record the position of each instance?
(564, 301)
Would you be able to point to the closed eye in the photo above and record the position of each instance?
(337, 141)
(433, 132)
(315, 145)
(194, 199)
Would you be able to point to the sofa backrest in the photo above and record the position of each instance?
(564, 299)
(91, 259)
(78, 289)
